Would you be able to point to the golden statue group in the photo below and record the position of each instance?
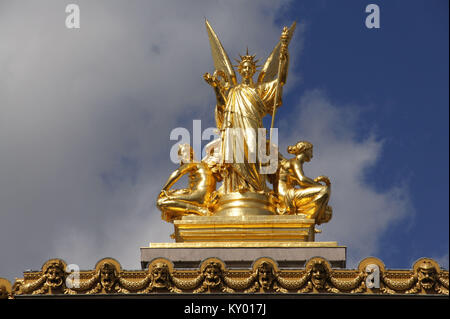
(245, 222)
(237, 158)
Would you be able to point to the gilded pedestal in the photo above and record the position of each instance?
(246, 228)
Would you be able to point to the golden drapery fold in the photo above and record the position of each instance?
(239, 122)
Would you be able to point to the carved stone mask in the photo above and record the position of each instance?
(3, 292)
(319, 275)
(108, 276)
(265, 275)
(54, 274)
(212, 273)
(160, 273)
(426, 274)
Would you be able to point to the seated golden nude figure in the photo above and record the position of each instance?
(192, 200)
(311, 197)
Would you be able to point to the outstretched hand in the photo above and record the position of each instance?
(211, 79)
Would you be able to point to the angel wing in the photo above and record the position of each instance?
(269, 70)
(221, 61)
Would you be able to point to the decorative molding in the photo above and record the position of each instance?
(213, 276)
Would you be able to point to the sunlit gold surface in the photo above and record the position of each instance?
(213, 276)
(193, 200)
(237, 204)
(5, 289)
(228, 244)
(243, 106)
(244, 228)
(245, 191)
(299, 193)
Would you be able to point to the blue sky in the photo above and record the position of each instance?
(398, 75)
(85, 119)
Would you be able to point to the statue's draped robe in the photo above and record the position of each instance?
(245, 108)
(309, 201)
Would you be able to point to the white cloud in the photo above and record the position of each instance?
(85, 117)
(361, 213)
(442, 260)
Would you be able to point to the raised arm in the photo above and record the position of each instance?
(218, 88)
(284, 56)
(221, 91)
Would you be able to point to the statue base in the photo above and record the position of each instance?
(238, 255)
(246, 204)
(240, 240)
(249, 228)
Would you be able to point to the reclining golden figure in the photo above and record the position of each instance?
(312, 197)
(192, 200)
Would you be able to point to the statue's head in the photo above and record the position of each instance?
(302, 147)
(185, 153)
(212, 150)
(247, 66)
